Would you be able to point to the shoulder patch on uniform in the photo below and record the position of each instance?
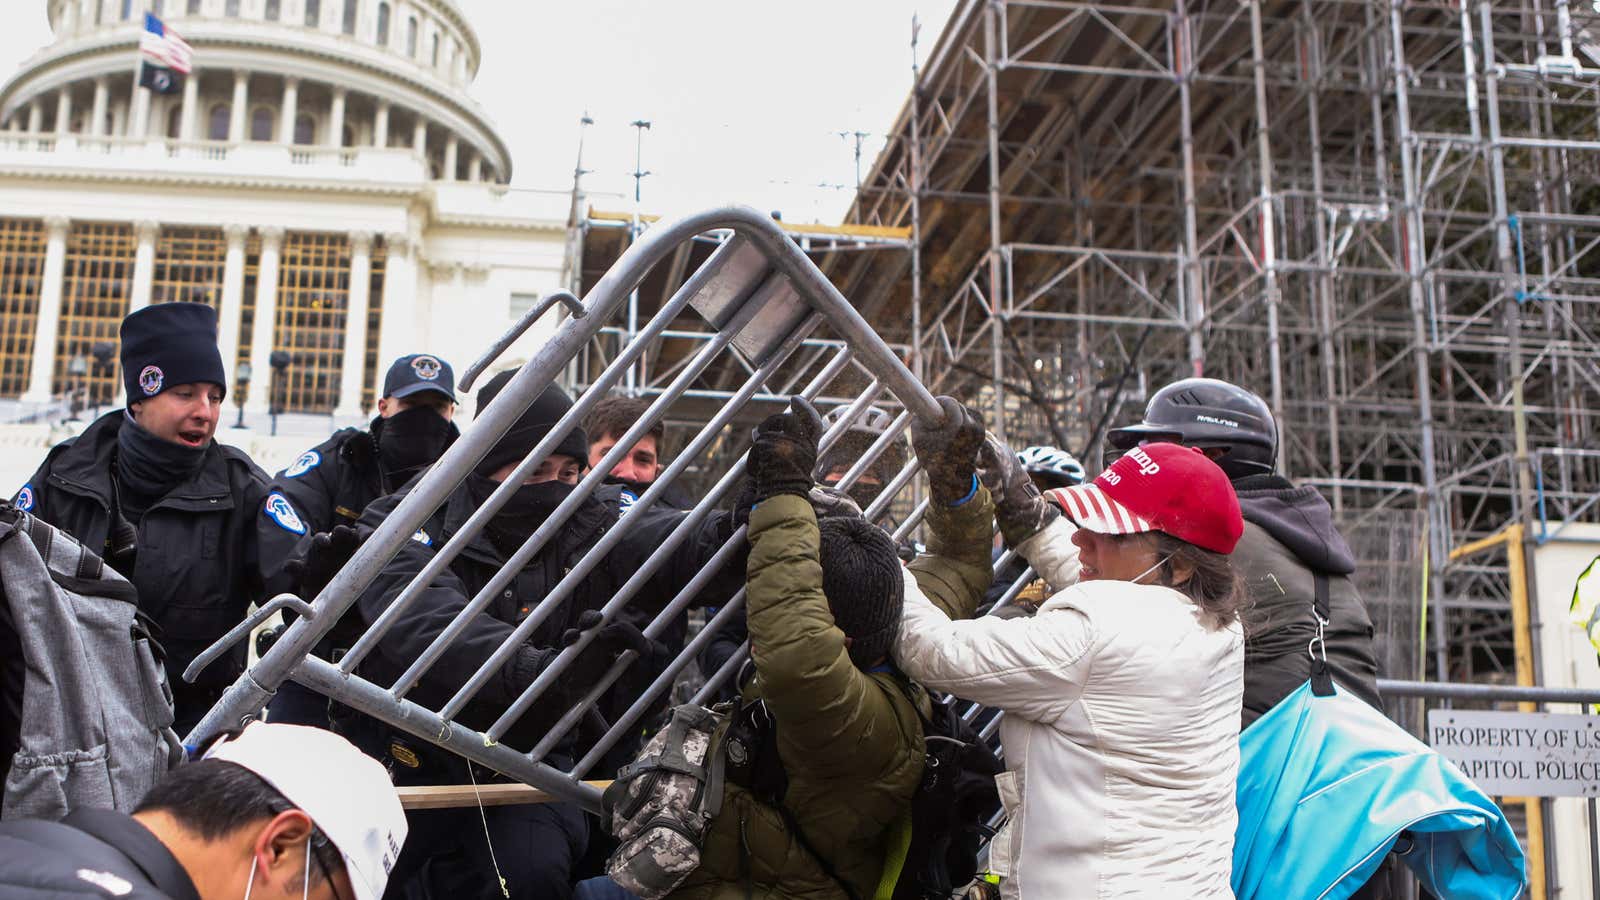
(308, 460)
(625, 501)
(25, 498)
(422, 538)
(277, 509)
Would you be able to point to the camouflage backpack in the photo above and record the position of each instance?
(661, 804)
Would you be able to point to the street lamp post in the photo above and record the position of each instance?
(103, 352)
(78, 368)
(241, 389)
(279, 360)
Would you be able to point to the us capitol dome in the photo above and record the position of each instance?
(322, 177)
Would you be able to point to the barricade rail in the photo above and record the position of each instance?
(762, 298)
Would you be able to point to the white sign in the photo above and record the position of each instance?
(1518, 754)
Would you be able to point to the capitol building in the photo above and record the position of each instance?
(323, 178)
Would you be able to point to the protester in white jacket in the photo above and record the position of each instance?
(1121, 696)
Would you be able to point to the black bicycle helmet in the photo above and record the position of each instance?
(1208, 413)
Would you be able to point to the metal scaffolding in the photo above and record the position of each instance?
(1381, 216)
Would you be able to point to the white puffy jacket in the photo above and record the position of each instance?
(1121, 731)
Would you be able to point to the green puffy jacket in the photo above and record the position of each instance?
(851, 741)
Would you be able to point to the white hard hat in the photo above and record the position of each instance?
(346, 793)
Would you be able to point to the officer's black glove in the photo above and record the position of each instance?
(1019, 507)
(269, 636)
(783, 451)
(609, 642)
(326, 555)
(949, 451)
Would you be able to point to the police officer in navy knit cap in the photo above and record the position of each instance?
(164, 503)
(535, 845)
(328, 487)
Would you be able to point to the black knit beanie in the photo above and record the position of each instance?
(169, 344)
(531, 427)
(865, 588)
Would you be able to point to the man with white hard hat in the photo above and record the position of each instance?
(276, 811)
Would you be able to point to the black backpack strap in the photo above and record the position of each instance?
(1321, 675)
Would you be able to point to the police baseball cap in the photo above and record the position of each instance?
(346, 793)
(420, 372)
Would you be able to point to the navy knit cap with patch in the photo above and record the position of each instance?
(169, 344)
(419, 372)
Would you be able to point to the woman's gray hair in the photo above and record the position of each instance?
(1213, 583)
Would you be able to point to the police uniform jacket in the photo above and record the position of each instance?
(326, 486)
(444, 600)
(91, 853)
(197, 569)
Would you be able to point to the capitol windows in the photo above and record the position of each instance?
(231, 8)
(22, 250)
(127, 10)
(411, 37)
(383, 24)
(313, 13)
(188, 265)
(174, 122)
(193, 7)
(348, 24)
(435, 62)
(313, 299)
(95, 288)
(273, 9)
(261, 124)
(305, 129)
(217, 122)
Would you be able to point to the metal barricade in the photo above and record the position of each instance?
(763, 297)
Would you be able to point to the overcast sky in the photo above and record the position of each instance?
(745, 97)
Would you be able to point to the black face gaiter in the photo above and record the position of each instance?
(148, 467)
(637, 487)
(411, 440)
(527, 509)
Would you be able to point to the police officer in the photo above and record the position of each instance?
(535, 845)
(332, 483)
(164, 503)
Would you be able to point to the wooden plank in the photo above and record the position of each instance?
(442, 796)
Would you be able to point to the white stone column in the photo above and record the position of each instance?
(231, 313)
(380, 125)
(398, 334)
(475, 167)
(419, 138)
(42, 370)
(336, 119)
(191, 106)
(352, 370)
(35, 117)
(139, 119)
(144, 264)
(291, 100)
(452, 148)
(239, 112)
(97, 127)
(64, 112)
(266, 321)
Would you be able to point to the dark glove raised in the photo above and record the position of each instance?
(326, 554)
(783, 451)
(948, 450)
(610, 641)
(1019, 508)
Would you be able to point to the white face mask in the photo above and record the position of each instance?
(1138, 579)
(305, 890)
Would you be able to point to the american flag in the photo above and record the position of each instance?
(164, 57)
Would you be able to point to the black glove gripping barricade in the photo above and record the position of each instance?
(763, 297)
